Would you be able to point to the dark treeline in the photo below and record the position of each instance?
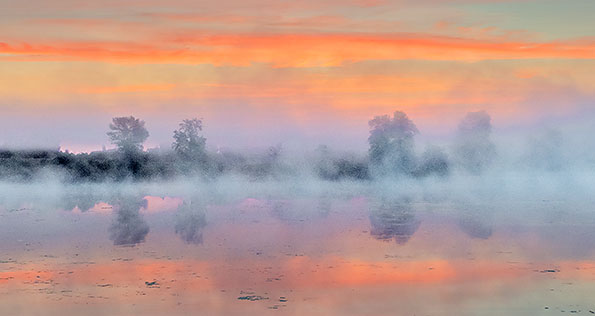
(392, 153)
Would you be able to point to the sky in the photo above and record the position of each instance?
(300, 73)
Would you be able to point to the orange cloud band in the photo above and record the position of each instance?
(294, 50)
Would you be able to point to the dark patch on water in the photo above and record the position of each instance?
(252, 298)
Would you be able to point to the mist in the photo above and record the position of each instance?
(480, 183)
(476, 160)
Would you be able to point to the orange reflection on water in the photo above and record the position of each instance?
(290, 272)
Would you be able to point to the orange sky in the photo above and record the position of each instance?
(296, 71)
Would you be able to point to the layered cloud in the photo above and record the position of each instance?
(293, 63)
(294, 50)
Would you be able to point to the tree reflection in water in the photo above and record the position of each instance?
(129, 227)
(475, 227)
(84, 200)
(190, 221)
(393, 219)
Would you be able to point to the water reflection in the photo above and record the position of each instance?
(295, 252)
(324, 205)
(190, 221)
(568, 241)
(129, 227)
(300, 211)
(475, 227)
(393, 218)
(83, 200)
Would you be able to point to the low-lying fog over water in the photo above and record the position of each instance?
(480, 224)
(266, 157)
(499, 244)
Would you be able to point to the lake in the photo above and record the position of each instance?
(177, 249)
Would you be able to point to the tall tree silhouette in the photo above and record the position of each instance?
(392, 143)
(474, 149)
(128, 133)
(187, 141)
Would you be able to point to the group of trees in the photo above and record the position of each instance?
(127, 161)
(392, 147)
(392, 152)
(129, 134)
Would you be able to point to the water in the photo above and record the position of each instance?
(102, 251)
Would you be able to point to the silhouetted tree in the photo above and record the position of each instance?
(330, 166)
(433, 161)
(128, 133)
(474, 149)
(187, 142)
(324, 166)
(265, 165)
(392, 143)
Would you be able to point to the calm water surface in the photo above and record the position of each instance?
(87, 253)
